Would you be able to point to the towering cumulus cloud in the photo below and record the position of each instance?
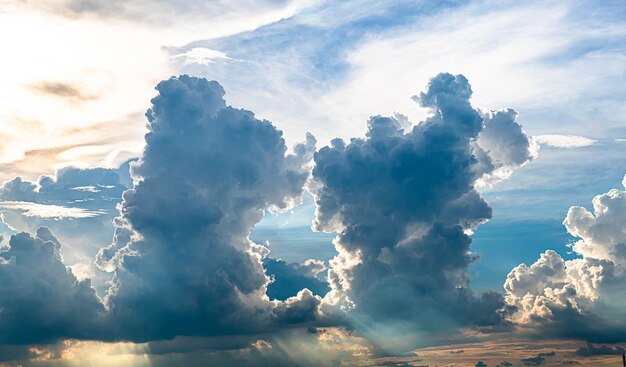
(182, 259)
(402, 204)
(580, 297)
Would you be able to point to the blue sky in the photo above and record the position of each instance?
(408, 234)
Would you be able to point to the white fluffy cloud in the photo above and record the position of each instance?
(580, 296)
(502, 146)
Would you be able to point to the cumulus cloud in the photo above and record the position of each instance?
(41, 300)
(402, 203)
(502, 146)
(182, 259)
(579, 297)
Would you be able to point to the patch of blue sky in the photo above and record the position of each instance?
(319, 37)
(560, 178)
(290, 237)
(504, 244)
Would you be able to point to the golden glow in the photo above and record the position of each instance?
(93, 354)
(60, 78)
(74, 87)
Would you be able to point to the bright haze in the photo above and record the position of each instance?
(312, 183)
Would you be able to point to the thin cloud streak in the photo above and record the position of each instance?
(564, 141)
(29, 209)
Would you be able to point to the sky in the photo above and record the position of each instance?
(312, 183)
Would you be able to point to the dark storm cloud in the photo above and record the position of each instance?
(182, 260)
(402, 203)
(40, 298)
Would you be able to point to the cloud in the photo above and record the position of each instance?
(534, 361)
(49, 211)
(204, 56)
(168, 12)
(538, 360)
(402, 203)
(66, 91)
(579, 297)
(591, 350)
(502, 146)
(564, 141)
(215, 169)
(100, 92)
(41, 300)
